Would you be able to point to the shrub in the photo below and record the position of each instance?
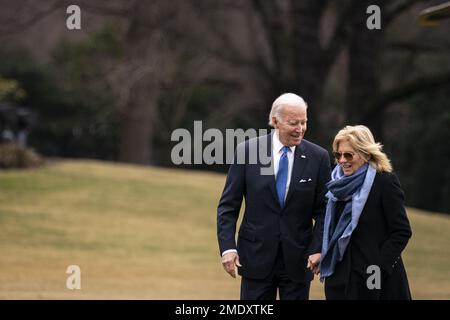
(13, 155)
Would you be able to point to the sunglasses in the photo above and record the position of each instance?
(347, 155)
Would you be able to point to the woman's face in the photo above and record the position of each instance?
(347, 157)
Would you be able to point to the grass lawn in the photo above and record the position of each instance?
(146, 233)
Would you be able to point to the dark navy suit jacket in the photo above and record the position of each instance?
(265, 225)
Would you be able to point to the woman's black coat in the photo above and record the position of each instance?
(381, 235)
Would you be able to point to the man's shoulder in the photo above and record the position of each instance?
(254, 141)
(308, 145)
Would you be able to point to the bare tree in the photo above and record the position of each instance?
(367, 101)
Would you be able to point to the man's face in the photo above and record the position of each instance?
(291, 125)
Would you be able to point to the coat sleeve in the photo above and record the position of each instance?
(398, 227)
(230, 204)
(320, 204)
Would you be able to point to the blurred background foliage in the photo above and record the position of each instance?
(137, 70)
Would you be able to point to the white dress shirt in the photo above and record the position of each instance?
(277, 151)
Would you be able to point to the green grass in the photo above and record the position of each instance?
(146, 233)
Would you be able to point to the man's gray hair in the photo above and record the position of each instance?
(286, 99)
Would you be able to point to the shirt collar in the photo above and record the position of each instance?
(277, 145)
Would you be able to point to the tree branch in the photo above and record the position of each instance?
(22, 26)
(261, 62)
(415, 87)
(56, 5)
(98, 9)
(398, 8)
(415, 47)
(341, 33)
(273, 28)
(227, 50)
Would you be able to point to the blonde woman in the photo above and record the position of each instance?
(366, 227)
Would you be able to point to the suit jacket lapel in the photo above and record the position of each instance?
(300, 163)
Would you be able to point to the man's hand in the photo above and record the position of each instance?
(229, 261)
(313, 263)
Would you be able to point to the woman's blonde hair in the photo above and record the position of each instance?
(361, 139)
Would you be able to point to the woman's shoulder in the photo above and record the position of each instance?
(387, 178)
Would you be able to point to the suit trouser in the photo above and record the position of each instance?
(266, 289)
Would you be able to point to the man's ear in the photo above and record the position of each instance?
(275, 122)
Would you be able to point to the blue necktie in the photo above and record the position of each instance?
(282, 176)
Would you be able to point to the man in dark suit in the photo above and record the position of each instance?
(278, 247)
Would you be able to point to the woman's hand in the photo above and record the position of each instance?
(313, 263)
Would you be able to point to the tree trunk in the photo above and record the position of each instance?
(310, 68)
(145, 55)
(137, 129)
(363, 90)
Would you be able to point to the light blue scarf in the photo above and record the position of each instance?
(356, 188)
